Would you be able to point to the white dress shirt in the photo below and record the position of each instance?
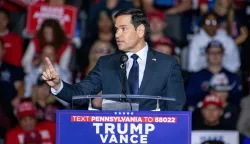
(142, 54)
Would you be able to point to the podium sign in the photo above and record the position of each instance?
(161, 127)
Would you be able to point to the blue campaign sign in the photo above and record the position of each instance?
(96, 127)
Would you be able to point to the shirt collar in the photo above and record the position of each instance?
(141, 53)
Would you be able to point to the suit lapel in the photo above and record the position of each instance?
(149, 70)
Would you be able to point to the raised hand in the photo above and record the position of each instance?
(51, 76)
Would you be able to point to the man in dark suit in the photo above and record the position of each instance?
(148, 72)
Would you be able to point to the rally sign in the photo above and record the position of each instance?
(224, 136)
(66, 15)
(98, 127)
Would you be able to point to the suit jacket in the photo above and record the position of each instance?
(162, 77)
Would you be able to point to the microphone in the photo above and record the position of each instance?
(123, 60)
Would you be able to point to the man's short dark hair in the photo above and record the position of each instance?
(214, 43)
(138, 17)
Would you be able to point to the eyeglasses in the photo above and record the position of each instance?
(102, 50)
(211, 22)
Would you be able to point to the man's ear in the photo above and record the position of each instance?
(141, 31)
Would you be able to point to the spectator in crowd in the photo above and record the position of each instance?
(225, 10)
(7, 118)
(164, 45)
(46, 105)
(42, 132)
(105, 26)
(98, 49)
(76, 40)
(157, 25)
(104, 33)
(210, 31)
(12, 74)
(50, 32)
(243, 125)
(31, 79)
(198, 83)
(211, 112)
(13, 43)
(109, 6)
(219, 86)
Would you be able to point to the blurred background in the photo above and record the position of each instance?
(210, 39)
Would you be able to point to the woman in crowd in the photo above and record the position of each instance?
(50, 32)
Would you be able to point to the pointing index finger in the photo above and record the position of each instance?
(49, 64)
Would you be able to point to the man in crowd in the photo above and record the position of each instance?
(211, 112)
(29, 130)
(198, 84)
(219, 86)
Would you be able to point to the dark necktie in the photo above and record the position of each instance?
(133, 78)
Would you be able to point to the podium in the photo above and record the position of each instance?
(123, 125)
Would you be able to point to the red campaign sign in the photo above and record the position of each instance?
(26, 3)
(66, 15)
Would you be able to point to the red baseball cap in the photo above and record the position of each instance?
(156, 14)
(26, 108)
(212, 99)
(164, 41)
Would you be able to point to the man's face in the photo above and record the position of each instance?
(211, 25)
(156, 26)
(127, 37)
(28, 123)
(214, 56)
(3, 21)
(211, 113)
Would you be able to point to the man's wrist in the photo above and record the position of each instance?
(57, 86)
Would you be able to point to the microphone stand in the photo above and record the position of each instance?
(124, 85)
